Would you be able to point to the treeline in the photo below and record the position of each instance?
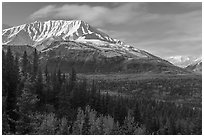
(37, 101)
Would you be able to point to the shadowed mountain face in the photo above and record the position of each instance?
(68, 44)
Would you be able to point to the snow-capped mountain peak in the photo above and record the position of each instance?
(76, 40)
(181, 61)
(38, 32)
(196, 66)
(41, 35)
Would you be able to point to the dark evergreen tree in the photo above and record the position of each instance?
(55, 90)
(93, 95)
(98, 101)
(39, 88)
(72, 79)
(27, 106)
(59, 77)
(17, 74)
(136, 114)
(54, 78)
(107, 103)
(47, 76)
(3, 62)
(102, 104)
(73, 75)
(64, 103)
(25, 64)
(86, 125)
(35, 65)
(4, 82)
(17, 70)
(171, 126)
(12, 81)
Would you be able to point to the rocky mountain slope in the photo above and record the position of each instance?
(196, 66)
(181, 61)
(75, 43)
(42, 32)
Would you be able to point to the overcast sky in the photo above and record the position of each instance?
(163, 29)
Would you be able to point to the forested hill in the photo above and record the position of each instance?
(36, 101)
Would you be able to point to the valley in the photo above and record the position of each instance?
(67, 77)
(185, 89)
(115, 66)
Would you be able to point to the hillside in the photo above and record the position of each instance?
(75, 43)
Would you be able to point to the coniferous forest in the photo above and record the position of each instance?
(36, 101)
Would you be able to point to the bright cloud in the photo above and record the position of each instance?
(97, 15)
(43, 12)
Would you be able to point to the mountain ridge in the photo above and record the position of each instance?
(196, 66)
(181, 61)
(64, 30)
(76, 43)
(41, 35)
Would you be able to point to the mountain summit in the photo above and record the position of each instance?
(40, 35)
(37, 32)
(77, 44)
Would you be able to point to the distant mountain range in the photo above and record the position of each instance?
(196, 66)
(75, 43)
(182, 61)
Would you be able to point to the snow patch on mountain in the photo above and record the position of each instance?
(196, 66)
(41, 35)
(66, 30)
(181, 61)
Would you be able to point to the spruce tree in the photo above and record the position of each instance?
(73, 75)
(64, 103)
(56, 89)
(93, 95)
(107, 101)
(98, 101)
(3, 61)
(35, 65)
(137, 115)
(54, 79)
(27, 106)
(59, 77)
(12, 82)
(17, 74)
(72, 79)
(39, 88)
(129, 126)
(4, 82)
(16, 66)
(47, 77)
(86, 125)
(25, 64)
